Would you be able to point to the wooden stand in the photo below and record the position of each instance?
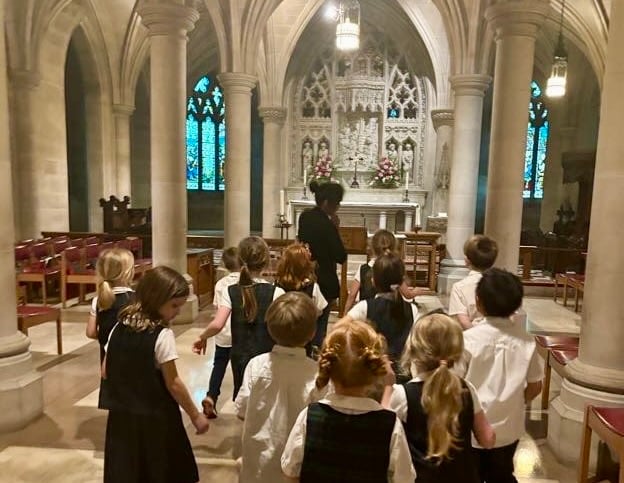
(422, 243)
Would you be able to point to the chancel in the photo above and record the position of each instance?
(174, 129)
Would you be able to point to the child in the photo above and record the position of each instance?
(393, 316)
(439, 410)
(145, 436)
(223, 340)
(348, 437)
(504, 367)
(296, 271)
(480, 254)
(383, 242)
(247, 302)
(276, 387)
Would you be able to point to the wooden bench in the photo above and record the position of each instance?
(545, 344)
(32, 315)
(608, 424)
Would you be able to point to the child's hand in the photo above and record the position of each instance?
(390, 377)
(201, 423)
(199, 346)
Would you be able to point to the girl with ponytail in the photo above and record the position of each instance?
(440, 410)
(348, 436)
(246, 302)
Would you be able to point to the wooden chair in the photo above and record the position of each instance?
(31, 315)
(74, 270)
(544, 344)
(37, 267)
(608, 424)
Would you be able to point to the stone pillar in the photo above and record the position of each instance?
(123, 113)
(443, 120)
(597, 375)
(516, 25)
(237, 94)
(168, 24)
(21, 388)
(469, 90)
(273, 118)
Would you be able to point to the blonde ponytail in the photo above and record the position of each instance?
(105, 295)
(442, 402)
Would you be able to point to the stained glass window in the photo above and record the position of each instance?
(205, 137)
(536, 145)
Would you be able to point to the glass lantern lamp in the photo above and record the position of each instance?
(348, 28)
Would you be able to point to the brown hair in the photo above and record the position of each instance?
(383, 242)
(388, 275)
(157, 287)
(253, 255)
(291, 319)
(295, 267)
(229, 259)
(481, 251)
(353, 355)
(114, 268)
(435, 344)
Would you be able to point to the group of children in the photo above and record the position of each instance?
(395, 395)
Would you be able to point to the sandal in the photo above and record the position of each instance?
(209, 408)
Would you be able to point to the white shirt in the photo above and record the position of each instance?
(224, 338)
(276, 387)
(370, 263)
(463, 299)
(398, 400)
(501, 359)
(164, 349)
(359, 310)
(318, 298)
(116, 290)
(400, 469)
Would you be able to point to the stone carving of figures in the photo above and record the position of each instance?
(408, 156)
(323, 151)
(392, 154)
(307, 154)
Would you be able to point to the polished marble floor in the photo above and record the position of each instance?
(65, 445)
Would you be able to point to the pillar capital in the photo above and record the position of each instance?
(123, 109)
(470, 84)
(518, 18)
(237, 82)
(276, 114)
(168, 18)
(442, 117)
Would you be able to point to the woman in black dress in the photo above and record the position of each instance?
(318, 228)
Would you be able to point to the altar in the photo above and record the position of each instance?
(396, 216)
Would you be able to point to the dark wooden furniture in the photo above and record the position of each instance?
(31, 315)
(545, 344)
(420, 249)
(200, 266)
(608, 424)
(119, 218)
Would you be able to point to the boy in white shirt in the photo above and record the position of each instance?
(223, 340)
(504, 367)
(480, 254)
(276, 387)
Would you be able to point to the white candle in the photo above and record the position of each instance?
(281, 207)
(418, 215)
(406, 179)
(305, 176)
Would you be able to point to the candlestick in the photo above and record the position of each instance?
(281, 202)
(305, 177)
(406, 180)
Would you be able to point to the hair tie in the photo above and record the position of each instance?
(443, 362)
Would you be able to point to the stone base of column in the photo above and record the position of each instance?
(565, 418)
(21, 386)
(451, 271)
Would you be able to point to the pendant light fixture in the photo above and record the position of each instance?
(556, 85)
(348, 28)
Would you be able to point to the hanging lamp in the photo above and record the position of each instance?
(348, 28)
(556, 84)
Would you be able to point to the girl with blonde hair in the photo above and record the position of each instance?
(349, 437)
(440, 410)
(246, 302)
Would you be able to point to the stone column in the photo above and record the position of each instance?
(273, 118)
(168, 24)
(516, 24)
(237, 94)
(443, 120)
(597, 375)
(123, 113)
(469, 90)
(21, 388)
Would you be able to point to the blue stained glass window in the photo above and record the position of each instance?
(205, 137)
(536, 145)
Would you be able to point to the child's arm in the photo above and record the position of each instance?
(354, 289)
(483, 431)
(463, 320)
(214, 327)
(411, 292)
(91, 331)
(103, 368)
(292, 457)
(179, 392)
(532, 390)
(458, 309)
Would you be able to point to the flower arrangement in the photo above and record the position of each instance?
(386, 175)
(323, 169)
